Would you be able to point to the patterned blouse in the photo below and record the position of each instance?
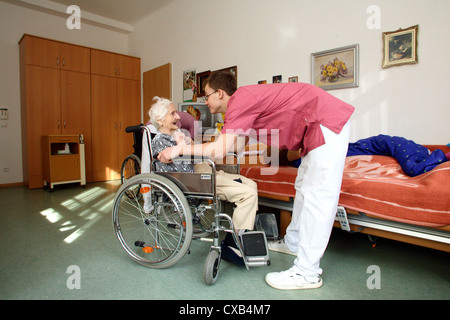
(162, 141)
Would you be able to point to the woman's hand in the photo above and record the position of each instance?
(179, 137)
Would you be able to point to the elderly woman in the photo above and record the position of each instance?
(231, 187)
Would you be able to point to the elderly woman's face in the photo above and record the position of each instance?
(169, 123)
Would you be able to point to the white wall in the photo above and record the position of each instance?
(267, 37)
(14, 22)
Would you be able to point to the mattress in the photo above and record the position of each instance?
(376, 185)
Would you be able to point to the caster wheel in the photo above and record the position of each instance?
(211, 268)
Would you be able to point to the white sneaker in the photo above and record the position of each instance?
(291, 280)
(280, 246)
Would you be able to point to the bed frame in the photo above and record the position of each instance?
(355, 221)
(435, 238)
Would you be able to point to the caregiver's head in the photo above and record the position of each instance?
(163, 115)
(219, 87)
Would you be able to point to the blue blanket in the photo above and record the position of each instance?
(413, 158)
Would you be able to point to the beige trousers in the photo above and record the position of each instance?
(244, 195)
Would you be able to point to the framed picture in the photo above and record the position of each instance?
(233, 70)
(277, 79)
(189, 84)
(400, 47)
(293, 79)
(336, 69)
(201, 78)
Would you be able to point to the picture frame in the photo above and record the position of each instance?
(233, 70)
(336, 68)
(201, 78)
(400, 47)
(293, 79)
(277, 79)
(189, 80)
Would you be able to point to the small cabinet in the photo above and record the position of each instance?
(63, 160)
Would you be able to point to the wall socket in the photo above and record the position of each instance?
(3, 114)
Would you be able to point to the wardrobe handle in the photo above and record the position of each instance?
(64, 124)
(59, 123)
(57, 61)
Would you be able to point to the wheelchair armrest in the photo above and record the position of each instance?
(137, 128)
(193, 159)
(233, 167)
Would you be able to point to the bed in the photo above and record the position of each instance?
(377, 198)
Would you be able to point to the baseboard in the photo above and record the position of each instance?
(7, 185)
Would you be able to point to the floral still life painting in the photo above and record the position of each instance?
(335, 69)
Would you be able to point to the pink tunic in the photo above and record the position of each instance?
(285, 115)
(188, 123)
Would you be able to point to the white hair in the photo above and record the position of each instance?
(158, 110)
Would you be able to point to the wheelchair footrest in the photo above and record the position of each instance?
(255, 249)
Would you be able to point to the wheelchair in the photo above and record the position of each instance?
(183, 206)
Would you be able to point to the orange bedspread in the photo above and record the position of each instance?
(376, 185)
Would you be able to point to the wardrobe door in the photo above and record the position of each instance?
(103, 63)
(76, 111)
(104, 128)
(128, 67)
(41, 113)
(41, 52)
(75, 58)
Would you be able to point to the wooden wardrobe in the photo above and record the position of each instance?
(71, 89)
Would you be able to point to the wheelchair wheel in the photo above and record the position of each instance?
(131, 167)
(211, 267)
(156, 239)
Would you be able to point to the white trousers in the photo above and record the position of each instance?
(317, 186)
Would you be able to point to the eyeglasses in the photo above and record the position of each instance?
(207, 96)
